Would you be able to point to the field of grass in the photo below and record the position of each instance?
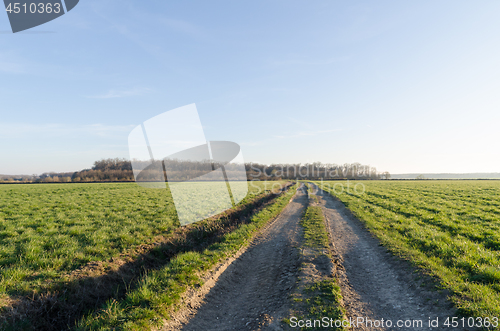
(49, 230)
(451, 229)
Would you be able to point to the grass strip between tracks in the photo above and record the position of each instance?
(318, 299)
(160, 290)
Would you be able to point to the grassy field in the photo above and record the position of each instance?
(49, 230)
(451, 229)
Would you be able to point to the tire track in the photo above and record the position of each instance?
(253, 292)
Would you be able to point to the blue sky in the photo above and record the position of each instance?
(402, 86)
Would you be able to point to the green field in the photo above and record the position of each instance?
(46, 231)
(451, 229)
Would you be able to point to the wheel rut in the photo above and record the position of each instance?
(253, 291)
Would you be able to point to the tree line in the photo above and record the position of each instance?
(121, 170)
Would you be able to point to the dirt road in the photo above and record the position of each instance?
(253, 292)
(375, 284)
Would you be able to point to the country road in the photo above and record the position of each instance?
(252, 292)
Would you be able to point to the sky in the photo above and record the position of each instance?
(402, 86)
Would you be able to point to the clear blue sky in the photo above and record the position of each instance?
(403, 86)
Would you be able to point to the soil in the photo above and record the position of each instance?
(375, 284)
(251, 292)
